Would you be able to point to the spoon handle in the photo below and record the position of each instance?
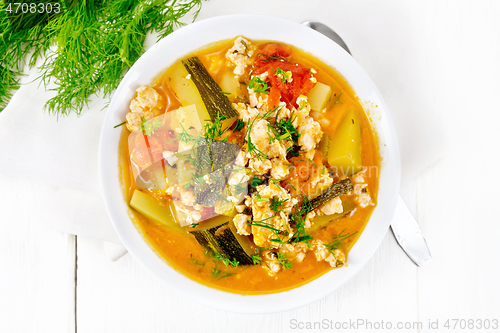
(325, 30)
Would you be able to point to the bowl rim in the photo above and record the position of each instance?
(195, 36)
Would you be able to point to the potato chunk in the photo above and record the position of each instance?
(318, 96)
(345, 145)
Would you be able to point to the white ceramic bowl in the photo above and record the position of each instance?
(193, 37)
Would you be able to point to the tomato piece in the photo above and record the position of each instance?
(147, 150)
(273, 60)
(156, 148)
(274, 97)
(140, 155)
(167, 139)
(271, 53)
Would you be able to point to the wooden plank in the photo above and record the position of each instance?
(461, 222)
(37, 265)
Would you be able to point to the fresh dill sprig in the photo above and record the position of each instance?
(9, 82)
(313, 163)
(281, 74)
(299, 219)
(95, 43)
(214, 130)
(239, 125)
(148, 127)
(258, 85)
(20, 34)
(338, 99)
(266, 225)
(251, 146)
(259, 198)
(226, 261)
(256, 258)
(216, 273)
(338, 241)
(287, 130)
(121, 124)
(284, 260)
(276, 204)
(269, 58)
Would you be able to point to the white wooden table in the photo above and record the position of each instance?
(441, 57)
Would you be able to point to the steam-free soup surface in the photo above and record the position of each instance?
(327, 156)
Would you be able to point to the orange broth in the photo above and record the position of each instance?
(181, 250)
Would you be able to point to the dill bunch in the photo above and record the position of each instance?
(95, 43)
(20, 34)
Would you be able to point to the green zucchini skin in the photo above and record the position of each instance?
(342, 187)
(220, 239)
(207, 194)
(215, 100)
(212, 161)
(324, 220)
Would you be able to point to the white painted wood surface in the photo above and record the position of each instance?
(434, 57)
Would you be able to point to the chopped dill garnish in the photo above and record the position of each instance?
(149, 127)
(184, 136)
(276, 181)
(263, 224)
(220, 196)
(284, 260)
(258, 85)
(215, 130)
(314, 163)
(239, 125)
(216, 273)
(194, 225)
(299, 218)
(338, 241)
(197, 262)
(243, 99)
(287, 130)
(120, 124)
(338, 98)
(266, 225)
(226, 261)
(225, 92)
(281, 74)
(251, 147)
(256, 258)
(276, 204)
(259, 198)
(269, 58)
(256, 181)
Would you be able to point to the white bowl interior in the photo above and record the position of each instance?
(193, 37)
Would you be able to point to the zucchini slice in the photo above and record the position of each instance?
(186, 91)
(215, 100)
(210, 188)
(342, 187)
(224, 240)
(212, 160)
(321, 221)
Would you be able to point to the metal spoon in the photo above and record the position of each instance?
(403, 225)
